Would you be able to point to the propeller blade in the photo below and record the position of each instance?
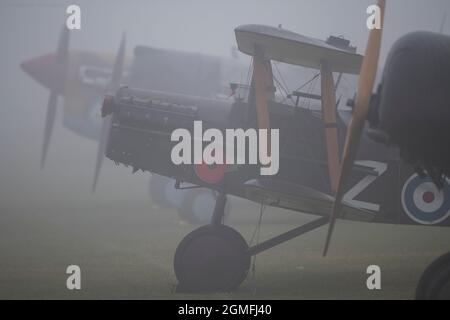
(49, 121)
(62, 53)
(103, 143)
(112, 87)
(118, 67)
(356, 125)
(444, 20)
(63, 45)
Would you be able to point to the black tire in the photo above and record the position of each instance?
(434, 283)
(192, 213)
(211, 259)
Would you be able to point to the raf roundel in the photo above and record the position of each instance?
(211, 174)
(423, 202)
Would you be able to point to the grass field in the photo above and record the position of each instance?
(125, 252)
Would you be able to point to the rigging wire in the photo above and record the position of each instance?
(308, 82)
(281, 76)
(286, 93)
(256, 234)
(250, 68)
(258, 226)
(312, 87)
(283, 84)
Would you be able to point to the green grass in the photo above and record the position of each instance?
(125, 251)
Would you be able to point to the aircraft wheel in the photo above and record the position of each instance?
(211, 259)
(198, 206)
(434, 283)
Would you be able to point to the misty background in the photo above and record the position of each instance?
(31, 28)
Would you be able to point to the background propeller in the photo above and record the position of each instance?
(112, 87)
(360, 111)
(61, 65)
(443, 21)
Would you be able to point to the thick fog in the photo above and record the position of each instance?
(31, 28)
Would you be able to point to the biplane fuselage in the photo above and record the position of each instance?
(381, 188)
(380, 183)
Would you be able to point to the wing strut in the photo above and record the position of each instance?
(329, 117)
(261, 76)
(262, 81)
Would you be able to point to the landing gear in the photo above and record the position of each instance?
(194, 206)
(197, 206)
(435, 281)
(216, 258)
(213, 258)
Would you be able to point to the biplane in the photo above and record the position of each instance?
(82, 77)
(322, 170)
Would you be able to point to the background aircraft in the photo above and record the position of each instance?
(81, 77)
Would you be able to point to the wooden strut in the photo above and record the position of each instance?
(328, 94)
(262, 80)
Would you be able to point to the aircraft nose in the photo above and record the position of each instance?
(43, 69)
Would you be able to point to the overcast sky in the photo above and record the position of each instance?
(207, 25)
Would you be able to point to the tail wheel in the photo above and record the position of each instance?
(435, 281)
(211, 259)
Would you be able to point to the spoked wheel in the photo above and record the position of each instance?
(211, 259)
(435, 281)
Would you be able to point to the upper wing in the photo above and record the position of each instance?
(289, 47)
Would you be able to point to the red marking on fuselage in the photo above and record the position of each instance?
(211, 174)
(428, 197)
